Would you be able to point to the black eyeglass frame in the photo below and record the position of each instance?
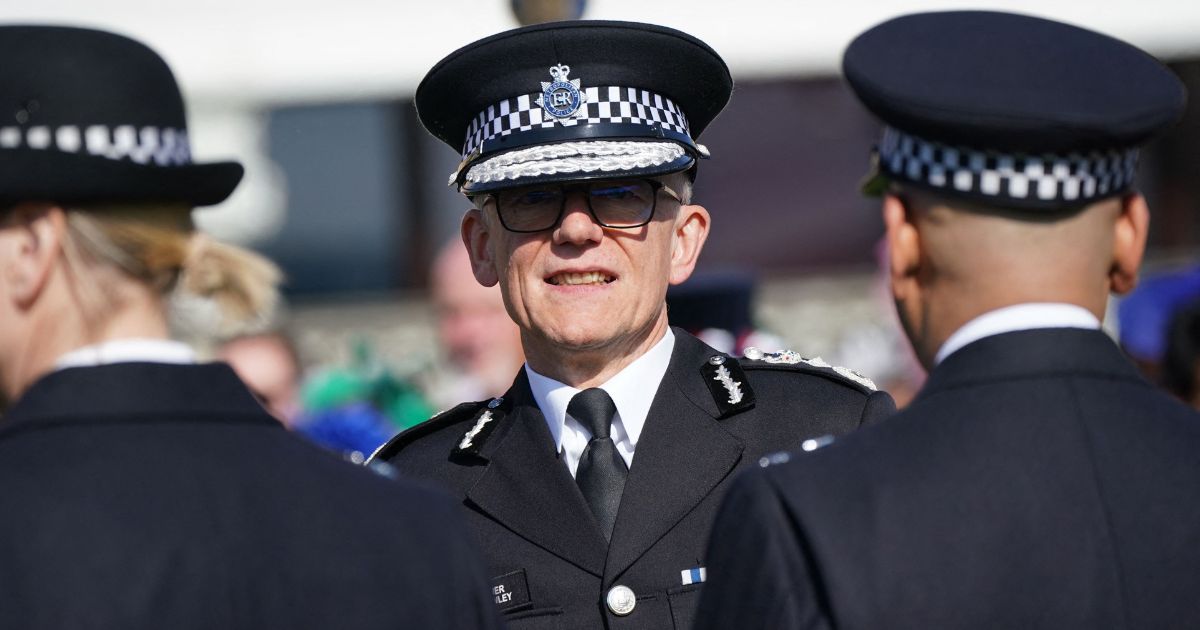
(655, 186)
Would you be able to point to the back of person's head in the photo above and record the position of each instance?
(1007, 170)
(97, 186)
(997, 256)
(157, 247)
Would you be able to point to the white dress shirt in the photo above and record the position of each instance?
(128, 351)
(632, 390)
(1018, 317)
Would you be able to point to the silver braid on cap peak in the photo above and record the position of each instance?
(574, 157)
(1026, 179)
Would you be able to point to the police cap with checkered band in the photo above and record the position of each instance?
(1010, 110)
(574, 101)
(92, 116)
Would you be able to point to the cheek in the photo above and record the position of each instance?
(909, 317)
(658, 248)
(515, 269)
(653, 264)
(514, 257)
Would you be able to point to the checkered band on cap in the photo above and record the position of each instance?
(164, 146)
(1043, 179)
(601, 105)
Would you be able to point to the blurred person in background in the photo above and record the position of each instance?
(1144, 316)
(269, 365)
(1037, 480)
(1181, 363)
(142, 489)
(350, 410)
(592, 482)
(356, 407)
(478, 340)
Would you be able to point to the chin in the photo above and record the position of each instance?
(580, 340)
(580, 337)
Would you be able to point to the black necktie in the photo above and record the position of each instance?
(601, 472)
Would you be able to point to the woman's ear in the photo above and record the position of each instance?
(34, 234)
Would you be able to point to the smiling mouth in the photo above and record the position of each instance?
(590, 278)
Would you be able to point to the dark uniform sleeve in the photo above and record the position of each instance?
(758, 574)
(879, 406)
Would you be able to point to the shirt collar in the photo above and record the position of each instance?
(128, 351)
(1018, 317)
(632, 390)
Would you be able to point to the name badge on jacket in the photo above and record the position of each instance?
(511, 590)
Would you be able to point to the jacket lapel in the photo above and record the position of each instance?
(682, 454)
(528, 489)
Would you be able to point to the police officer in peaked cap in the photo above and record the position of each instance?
(592, 483)
(143, 489)
(1036, 481)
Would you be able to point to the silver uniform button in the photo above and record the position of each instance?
(621, 600)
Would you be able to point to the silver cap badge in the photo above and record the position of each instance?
(562, 98)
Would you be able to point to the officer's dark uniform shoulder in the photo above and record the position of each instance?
(442, 428)
(780, 380)
(790, 361)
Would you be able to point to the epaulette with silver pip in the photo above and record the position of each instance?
(728, 384)
(485, 422)
(790, 359)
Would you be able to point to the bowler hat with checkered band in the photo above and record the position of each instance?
(574, 101)
(1007, 109)
(91, 116)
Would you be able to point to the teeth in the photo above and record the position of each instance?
(572, 279)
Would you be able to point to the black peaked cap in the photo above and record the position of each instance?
(600, 52)
(1011, 82)
(662, 60)
(92, 116)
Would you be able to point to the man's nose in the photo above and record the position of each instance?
(577, 225)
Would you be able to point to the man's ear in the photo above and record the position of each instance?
(476, 236)
(38, 231)
(1129, 243)
(691, 230)
(904, 245)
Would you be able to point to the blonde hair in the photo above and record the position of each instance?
(157, 245)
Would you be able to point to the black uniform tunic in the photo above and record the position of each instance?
(1035, 482)
(143, 495)
(550, 565)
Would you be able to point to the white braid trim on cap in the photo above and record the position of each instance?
(574, 157)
